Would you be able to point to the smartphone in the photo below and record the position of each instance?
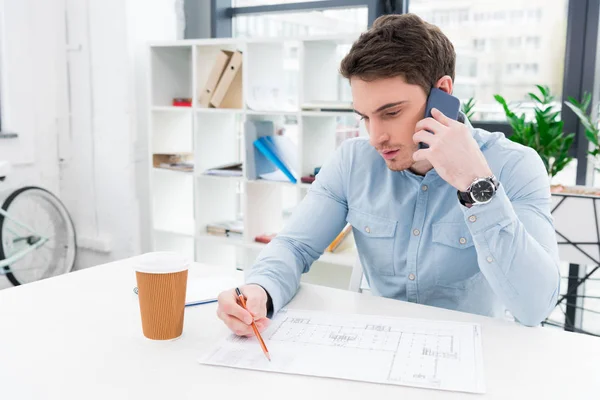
(446, 103)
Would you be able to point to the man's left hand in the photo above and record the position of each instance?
(452, 151)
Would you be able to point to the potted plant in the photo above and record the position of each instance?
(543, 132)
(468, 108)
(573, 208)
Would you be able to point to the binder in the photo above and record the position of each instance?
(256, 163)
(267, 146)
(216, 72)
(228, 93)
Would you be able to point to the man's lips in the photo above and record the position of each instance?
(389, 154)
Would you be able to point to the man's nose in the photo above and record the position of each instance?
(377, 134)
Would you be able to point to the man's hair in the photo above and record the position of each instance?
(401, 45)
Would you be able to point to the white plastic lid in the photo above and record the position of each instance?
(162, 262)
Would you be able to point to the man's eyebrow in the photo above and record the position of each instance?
(383, 107)
(389, 105)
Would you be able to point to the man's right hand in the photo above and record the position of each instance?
(236, 317)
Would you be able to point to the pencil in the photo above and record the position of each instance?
(254, 328)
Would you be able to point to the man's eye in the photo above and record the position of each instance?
(363, 118)
(391, 114)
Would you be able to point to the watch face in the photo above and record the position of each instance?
(482, 191)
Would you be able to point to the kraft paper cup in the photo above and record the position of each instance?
(162, 283)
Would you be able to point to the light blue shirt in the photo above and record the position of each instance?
(417, 243)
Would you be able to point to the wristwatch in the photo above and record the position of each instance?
(480, 191)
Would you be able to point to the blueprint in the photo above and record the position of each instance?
(396, 351)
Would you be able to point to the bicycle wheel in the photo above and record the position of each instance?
(44, 213)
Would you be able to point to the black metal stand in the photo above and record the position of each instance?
(572, 311)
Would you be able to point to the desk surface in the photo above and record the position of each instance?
(78, 336)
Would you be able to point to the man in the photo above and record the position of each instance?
(464, 224)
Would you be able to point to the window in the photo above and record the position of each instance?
(246, 3)
(479, 44)
(532, 42)
(514, 42)
(288, 24)
(516, 16)
(508, 45)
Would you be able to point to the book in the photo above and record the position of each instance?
(231, 169)
(256, 163)
(277, 150)
(178, 162)
(226, 228)
(265, 238)
(216, 72)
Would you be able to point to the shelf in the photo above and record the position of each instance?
(329, 114)
(221, 240)
(273, 112)
(172, 170)
(279, 74)
(171, 109)
(187, 232)
(221, 178)
(171, 74)
(205, 110)
(275, 183)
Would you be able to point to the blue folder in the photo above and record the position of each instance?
(268, 147)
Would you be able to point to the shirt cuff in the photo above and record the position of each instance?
(273, 293)
(498, 212)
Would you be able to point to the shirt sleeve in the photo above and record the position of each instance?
(516, 243)
(314, 224)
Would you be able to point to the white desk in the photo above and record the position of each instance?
(79, 336)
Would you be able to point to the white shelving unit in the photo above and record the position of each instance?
(293, 71)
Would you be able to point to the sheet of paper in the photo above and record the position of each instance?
(207, 289)
(397, 351)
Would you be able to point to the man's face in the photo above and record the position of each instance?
(390, 108)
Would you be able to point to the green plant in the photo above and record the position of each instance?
(544, 133)
(467, 108)
(591, 128)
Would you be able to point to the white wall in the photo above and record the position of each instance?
(104, 180)
(33, 77)
(74, 86)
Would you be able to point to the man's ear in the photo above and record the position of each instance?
(445, 84)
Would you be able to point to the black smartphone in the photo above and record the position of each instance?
(446, 103)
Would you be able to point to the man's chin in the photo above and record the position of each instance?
(398, 165)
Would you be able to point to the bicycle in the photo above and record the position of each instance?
(37, 235)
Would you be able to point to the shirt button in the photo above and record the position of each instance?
(411, 277)
(424, 188)
(416, 232)
(462, 240)
(472, 218)
(368, 230)
(490, 259)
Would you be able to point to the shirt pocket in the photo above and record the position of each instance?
(375, 237)
(454, 255)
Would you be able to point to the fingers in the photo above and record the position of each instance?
(237, 318)
(421, 155)
(228, 305)
(425, 137)
(256, 304)
(431, 125)
(440, 117)
(240, 328)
